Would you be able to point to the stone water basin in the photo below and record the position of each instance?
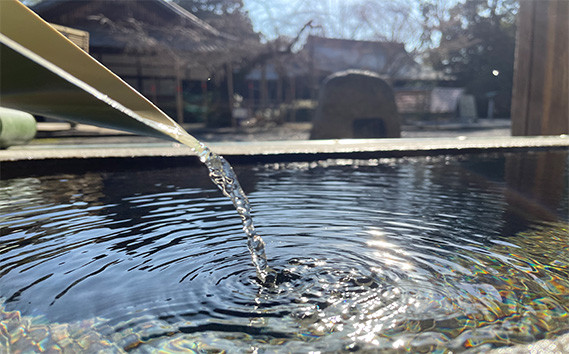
(461, 253)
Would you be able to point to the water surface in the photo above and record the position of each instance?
(422, 254)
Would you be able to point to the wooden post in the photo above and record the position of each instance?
(179, 94)
(251, 95)
(279, 89)
(205, 103)
(154, 91)
(540, 103)
(291, 100)
(229, 73)
(139, 74)
(264, 89)
(312, 70)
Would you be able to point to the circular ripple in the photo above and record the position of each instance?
(376, 255)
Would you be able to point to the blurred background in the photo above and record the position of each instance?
(255, 67)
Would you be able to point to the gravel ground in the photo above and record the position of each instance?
(301, 131)
(61, 134)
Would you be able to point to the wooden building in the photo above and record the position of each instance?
(159, 48)
(299, 76)
(330, 55)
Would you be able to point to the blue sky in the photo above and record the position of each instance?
(395, 20)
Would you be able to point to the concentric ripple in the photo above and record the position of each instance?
(421, 255)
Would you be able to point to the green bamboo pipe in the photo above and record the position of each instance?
(16, 127)
(43, 73)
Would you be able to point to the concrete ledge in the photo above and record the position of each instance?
(47, 159)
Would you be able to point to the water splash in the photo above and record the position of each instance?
(222, 175)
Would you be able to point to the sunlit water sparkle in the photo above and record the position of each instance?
(418, 254)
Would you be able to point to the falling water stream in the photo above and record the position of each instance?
(223, 176)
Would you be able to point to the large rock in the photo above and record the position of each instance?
(356, 104)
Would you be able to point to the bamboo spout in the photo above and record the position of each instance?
(44, 73)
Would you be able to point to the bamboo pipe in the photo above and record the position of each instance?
(43, 73)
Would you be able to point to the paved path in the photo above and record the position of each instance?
(61, 133)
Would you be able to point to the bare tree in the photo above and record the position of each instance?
(391, 21)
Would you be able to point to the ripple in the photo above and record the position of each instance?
(367, 255)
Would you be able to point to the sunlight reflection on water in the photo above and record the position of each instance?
(421, 254)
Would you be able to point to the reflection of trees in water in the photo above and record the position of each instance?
(14, 192)
(170, 200)
(35, 201)
(86, 188)
(41, 222)
(533, 186)
(59, 189)
(77, 230)
(63, 205)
